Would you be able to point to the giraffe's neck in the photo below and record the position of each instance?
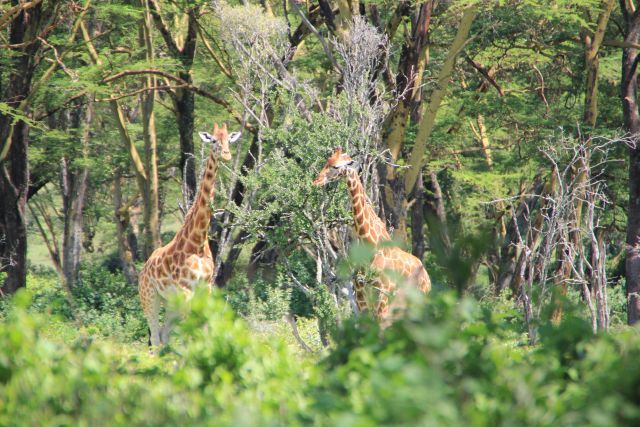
(368, 225)
(196, 223)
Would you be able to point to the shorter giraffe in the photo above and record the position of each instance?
(185, 261)
(387, 260)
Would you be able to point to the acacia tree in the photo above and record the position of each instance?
(145, 166)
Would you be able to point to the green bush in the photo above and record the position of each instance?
(448, 361)
(103, 302)
(454, 362)
(217, 374)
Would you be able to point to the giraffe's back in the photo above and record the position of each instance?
(395, 260)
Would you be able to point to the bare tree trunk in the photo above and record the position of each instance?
(51, 241)
(509, 253)
(262, 260)
(628, 95)
(74, 189)
(147, 184)
(347, 9)
(238, 196)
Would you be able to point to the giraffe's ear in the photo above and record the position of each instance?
(206, 136)
(234, 136)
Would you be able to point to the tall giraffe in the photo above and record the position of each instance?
(186, 260)
(371, 229)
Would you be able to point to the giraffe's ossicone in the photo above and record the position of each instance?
(186, 261)
(388, 261)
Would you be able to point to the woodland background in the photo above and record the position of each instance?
(497, 139)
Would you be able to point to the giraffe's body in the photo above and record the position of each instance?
(387, 261)
(186, 261)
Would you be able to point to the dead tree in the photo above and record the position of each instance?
(541, 229)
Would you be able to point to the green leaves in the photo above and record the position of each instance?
(450, 361)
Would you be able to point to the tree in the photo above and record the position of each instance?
(27, 27)
(628, 96)
(184, 52)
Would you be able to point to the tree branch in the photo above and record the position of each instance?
(174, 50)
(186, 85)
(485, 73)
(10, 14)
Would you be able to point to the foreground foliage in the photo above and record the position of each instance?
(449, 362)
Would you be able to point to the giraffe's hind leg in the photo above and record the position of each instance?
(170, 317)
(151, 307)
(384, 287)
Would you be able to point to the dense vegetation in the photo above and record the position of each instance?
(497, 141)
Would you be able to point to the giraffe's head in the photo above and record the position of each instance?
(220, 139)
(336, 167)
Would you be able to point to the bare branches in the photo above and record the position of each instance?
(576, 178)
(313, 29)
(541, 88)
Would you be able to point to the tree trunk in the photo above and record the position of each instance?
(184, 100)
(74, 189)
(482, 137)
(509, 254)
(628, 95)
(238, 195)
(14, 141)
(436, 217)
(147, 179)
(565, 264)
(122, 223)
(417, 220)
(408, 83)
(150, 195)
(416, 160)
(185, 104)
(592, 45)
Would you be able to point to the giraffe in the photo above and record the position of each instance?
(371, 229)
(187, 260)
